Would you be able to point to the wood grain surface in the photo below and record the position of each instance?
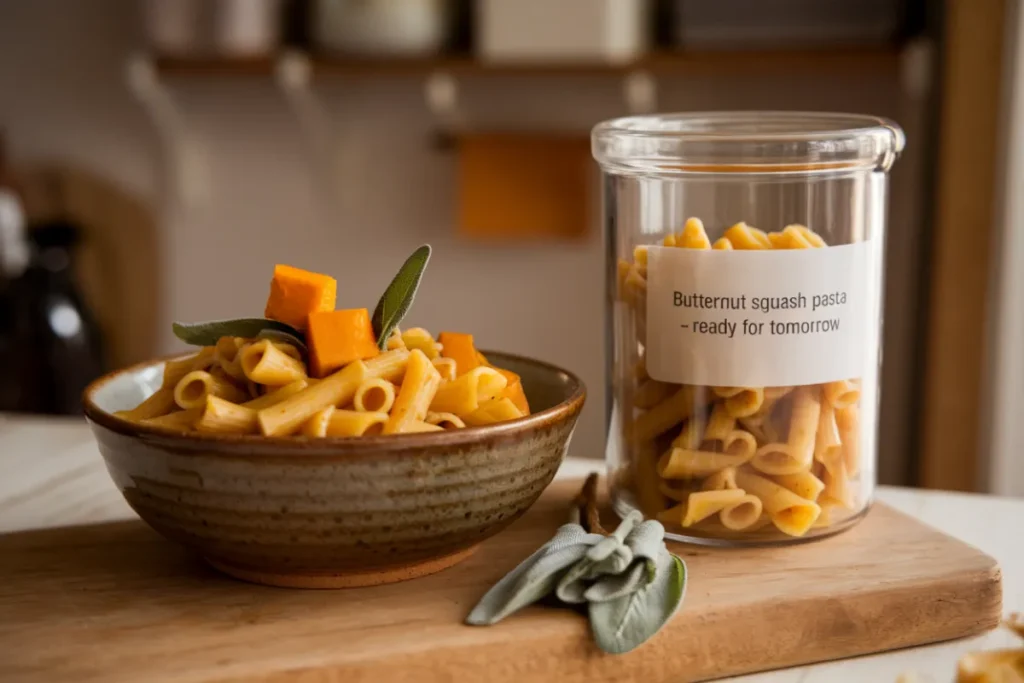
(115, 602)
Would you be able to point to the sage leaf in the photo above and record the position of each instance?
(624, 623)
(535, 577)
(207, 333)
(398, 297)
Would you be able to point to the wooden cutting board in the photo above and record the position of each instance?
(115, 602)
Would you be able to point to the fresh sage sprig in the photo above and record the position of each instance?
(398, 297)
(631, 583)
(207, 333)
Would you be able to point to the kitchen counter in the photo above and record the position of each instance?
(51, 474)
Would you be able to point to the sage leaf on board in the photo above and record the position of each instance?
(632, 584)
(398, 297)
(207, 333)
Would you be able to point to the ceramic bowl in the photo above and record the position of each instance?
(334, 512)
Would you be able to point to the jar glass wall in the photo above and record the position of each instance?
(744, 262)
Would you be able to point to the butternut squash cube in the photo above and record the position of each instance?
(336, 338)
(295, 293)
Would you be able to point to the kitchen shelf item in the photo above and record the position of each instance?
(381, 27)
(162, 615)
(789, 24)
(221, 28)
(744, 378)
(561, 30)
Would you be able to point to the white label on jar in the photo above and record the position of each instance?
(762, 318)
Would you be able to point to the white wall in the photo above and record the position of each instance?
(62, 96)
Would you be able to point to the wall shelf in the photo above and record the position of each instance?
(662, 64)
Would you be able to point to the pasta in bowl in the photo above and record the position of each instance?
(381, 469)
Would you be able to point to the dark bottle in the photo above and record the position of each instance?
(59, 336)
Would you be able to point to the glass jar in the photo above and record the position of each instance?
(744, 264)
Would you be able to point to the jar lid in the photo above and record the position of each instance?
(753, 142)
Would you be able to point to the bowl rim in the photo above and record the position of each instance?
(335, 444)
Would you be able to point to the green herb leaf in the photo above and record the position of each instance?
(626, 622)
(207, 333)
(398, 297)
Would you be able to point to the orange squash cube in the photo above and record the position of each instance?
(336, 338)
(295, 293)
(459, 347)
(514, 391)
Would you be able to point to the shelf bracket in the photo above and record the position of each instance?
(189, 172)
(640, 92)
(294, 75)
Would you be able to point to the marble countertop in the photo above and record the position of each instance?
(51, 474)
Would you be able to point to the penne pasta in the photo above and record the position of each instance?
(693, 235)
(414, 398)
(389, 365)
(673, 515)
(837, 489)
(652, 392)
(722, 244)
(317, 425)
(417, 426)
(157, 404)
(744, 403)
(797, 453)
(722, 479)
(720, 426)
(841, 394)
(645, 477)
(704, 504)
(445, 420)
(179, 419)
(224, 417)
(446, 367)
(177, 368)
(277, 395)
(419, 338)
(226, 355)
(676, 489)
(743, 236)
(666, 414)
(374, 395)
(395, 341)
(742, 514)
(790, 513)
(828, 448)
(494, 410)
(691, 435)
(465, 393)
(740, 443)
(848, 423)
(192, 389)
(726, 392)
(355, 423)
(803, 484)
(809, 236)
(682, 463)
(286, 417)
(265, 362)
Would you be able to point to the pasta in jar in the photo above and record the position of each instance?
(745, 358)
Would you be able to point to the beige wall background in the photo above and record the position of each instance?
(63, 98)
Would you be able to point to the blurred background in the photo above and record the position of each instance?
(157, 157)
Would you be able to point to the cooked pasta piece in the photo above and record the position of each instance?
(494, 410)
(692, 434)
(742, 514)
(277, 395)
(464, 394)
(720, 426)
(374, 395)
(682, 463)
(355, 423)
(317, 425)
(419, 338)
(226, 354)
(668, 413)
(395, 341)
(417, 392)
(722, 479)
(693, 235)
(842, 394)
(803, 484)
(445, 420)
(797, 453)
(224, 417)
(747, 402)
(673, 515)
(287, 416)
(828, 448)
(743, 236)
(192, 389)
(722, 244)
(179, 419)
(177, 368)
(848, 422)
(704, 504)
(740, 443)
(651, 392)
(445, 366)
(389, 365)
(266, 362)
(417, 426)
(790, 513)
(837, 489)
(157, 404)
